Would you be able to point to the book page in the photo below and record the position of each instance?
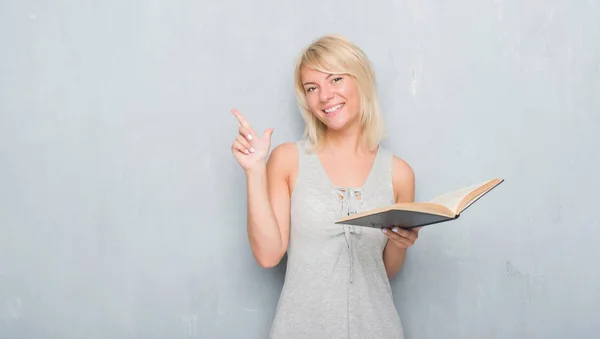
(474, 199)
(453, 199)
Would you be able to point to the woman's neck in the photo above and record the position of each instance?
(344, 142)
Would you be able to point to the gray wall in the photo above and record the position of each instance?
(122, 211)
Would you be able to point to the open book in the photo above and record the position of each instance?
(442, 208)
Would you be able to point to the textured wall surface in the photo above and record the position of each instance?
(122, 211)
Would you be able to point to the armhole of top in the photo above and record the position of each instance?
(390, 174)
(299, 165)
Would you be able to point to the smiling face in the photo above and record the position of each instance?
(335, 86)
(333, 98)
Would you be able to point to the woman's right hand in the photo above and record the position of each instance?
(249, 149)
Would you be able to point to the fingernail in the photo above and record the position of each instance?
(252, 150)
(249, 136)
(246, 151)
(395, 229)
(383, 230)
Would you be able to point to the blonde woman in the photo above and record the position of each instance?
(337, 277)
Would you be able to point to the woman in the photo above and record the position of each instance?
(337, 277)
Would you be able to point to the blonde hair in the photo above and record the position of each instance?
(334, 54)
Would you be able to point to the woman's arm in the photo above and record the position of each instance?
(403, 179)
(268, 190)
(268, 195)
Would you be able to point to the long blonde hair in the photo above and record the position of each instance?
(334, 54)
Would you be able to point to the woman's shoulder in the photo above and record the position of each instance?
(403, 178)
(399, 164)
(287, 149)
(284, 157)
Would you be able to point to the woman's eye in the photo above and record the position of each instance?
(310, 89)
(337, 79)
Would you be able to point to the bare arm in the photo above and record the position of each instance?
(269, 206)
(268, 190)
(404, 191)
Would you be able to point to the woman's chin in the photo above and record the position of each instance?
(338, 124)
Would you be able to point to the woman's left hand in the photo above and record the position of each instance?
(402, 238)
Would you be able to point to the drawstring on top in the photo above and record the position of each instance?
(350, 199)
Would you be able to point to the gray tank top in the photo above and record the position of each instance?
(335, 284)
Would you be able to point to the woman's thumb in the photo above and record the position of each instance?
(268, 132)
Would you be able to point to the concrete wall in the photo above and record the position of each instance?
(122, 211)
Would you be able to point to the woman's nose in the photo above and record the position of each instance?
(326, 93)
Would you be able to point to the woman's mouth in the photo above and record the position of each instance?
(334, 109)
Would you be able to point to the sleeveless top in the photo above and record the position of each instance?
(336, 285)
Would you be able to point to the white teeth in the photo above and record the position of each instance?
(334, 108)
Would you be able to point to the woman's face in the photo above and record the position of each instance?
(333, 98)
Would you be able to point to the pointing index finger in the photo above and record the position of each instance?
(241, 119)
